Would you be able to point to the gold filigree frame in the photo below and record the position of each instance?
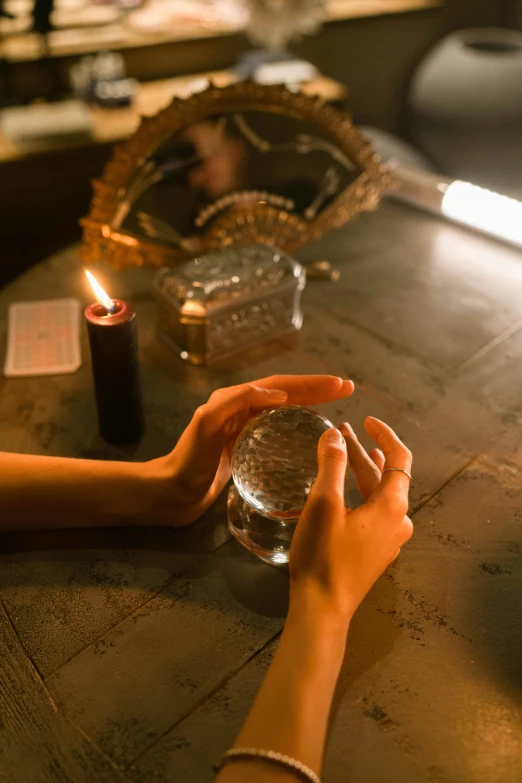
(263, 223)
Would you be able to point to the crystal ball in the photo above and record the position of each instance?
(274, 462)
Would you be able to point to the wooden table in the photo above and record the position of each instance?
(133, 655)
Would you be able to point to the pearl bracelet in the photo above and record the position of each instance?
(300, 769)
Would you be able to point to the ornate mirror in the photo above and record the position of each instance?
(245, 163)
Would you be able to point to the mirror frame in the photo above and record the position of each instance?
(290, 231)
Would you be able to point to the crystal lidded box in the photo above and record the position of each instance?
(225, 302)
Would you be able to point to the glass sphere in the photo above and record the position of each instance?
(274, 462)
(268, 539)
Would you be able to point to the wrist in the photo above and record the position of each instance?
(167, 501)
(310, 610)
(157, 489)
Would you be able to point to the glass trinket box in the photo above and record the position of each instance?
(224, 302)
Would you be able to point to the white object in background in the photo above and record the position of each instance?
(485, 210)
(274, 23)
(199, 84)
(80, 76)
(43, 338)
(465, 104)
(160, 15)
(286, 72)
(470, 205)
(108, 66)
(46, 121)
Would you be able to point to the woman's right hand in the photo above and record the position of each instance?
(337, 554)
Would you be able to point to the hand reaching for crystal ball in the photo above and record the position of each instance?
(338, 553)
(274, 462)
(189, 479)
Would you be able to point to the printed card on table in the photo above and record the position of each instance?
(43, 338)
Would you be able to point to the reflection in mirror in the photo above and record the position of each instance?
(231, 163)
(239, 165)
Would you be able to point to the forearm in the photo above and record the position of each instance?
(42, 492)
(290, 713)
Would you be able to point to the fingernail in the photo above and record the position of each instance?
(349, 428)
(334, 436)
(369, 422)
(278, 395)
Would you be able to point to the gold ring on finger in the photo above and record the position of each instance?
(401, 470)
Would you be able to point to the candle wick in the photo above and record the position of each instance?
(109, 310)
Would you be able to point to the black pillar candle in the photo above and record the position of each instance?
(116, 371)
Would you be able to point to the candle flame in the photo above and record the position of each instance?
(101, 297)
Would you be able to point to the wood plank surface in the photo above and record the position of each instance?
(153, 642)
(415, 647)
(457, 293)
(38, 743)
(186, 641)
(65, 590)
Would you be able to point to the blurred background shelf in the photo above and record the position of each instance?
(113, 125)
(46, 185)
(369, 47)
(178, 49)
(82, 28)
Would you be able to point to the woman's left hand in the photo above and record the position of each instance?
(190, 478)
(337, 554)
